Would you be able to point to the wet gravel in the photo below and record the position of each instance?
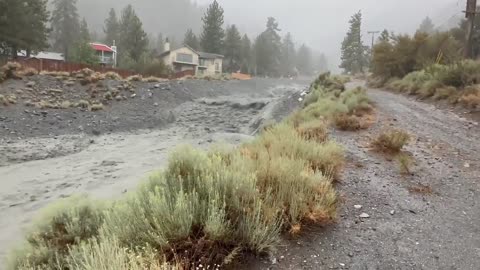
(382, 224)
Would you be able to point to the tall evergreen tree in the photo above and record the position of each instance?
(304, 60)
(233, 48)
(191, 40)
(81, 51)
(23, 26)
(384, 36)
(321, 64)
(246, 55)
(354, 52)
(65, 25)
(288, 56)
(427, 26)
(268, 50)
(111, 28)
(133, 39)
(159, 43)
(213, 34)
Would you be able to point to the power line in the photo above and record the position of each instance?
(373, 33)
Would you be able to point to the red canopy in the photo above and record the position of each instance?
(101, 47)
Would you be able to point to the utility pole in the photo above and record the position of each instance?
(373, 33)
(470, 13)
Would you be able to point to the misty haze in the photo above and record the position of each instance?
(227, 134)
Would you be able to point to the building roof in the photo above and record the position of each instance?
(203, 55)
(101, 47)
(209, 55)
(44, 55)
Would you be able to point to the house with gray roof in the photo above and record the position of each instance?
(186, 59)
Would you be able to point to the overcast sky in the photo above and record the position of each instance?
(322, 23)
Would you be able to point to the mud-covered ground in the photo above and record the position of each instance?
(45, 155)
(405, 229)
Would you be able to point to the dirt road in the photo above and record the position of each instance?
(36, 170)
(405, 229)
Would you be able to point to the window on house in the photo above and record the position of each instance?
(217, 67)
(203, 62)
(184, 57)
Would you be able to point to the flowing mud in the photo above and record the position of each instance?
(50, 163)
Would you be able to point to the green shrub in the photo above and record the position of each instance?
(356, 100)
(58, 228)
(199, 197)
(429, 88)
(107, 254)
(445, 92)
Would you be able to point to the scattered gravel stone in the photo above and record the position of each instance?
(357, 206)
(364, 215)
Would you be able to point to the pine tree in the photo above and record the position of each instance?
(288, 56)
(191, 40)
(111, 28)
(233, 48)
(427, 26)
(213, 34)
(384, 36)
(304, 60)
(23, 26)
(268, 50)
(160, 43)
(65, 25)
(246, 55)
(354, 52)
(81, 51)
(321, 64)
(133, 41)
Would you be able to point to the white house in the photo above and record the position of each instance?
(186, 58)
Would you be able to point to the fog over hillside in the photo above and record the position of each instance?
(319, 23)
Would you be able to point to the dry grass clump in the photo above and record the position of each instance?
(113, 76)
(421, 189)
(28, 72)
(315, 130)
(3, 100)
(134, 78)
(347, 122)
(58, 74)
(96, 107)
(391, 141)
(405, 163)
(82, 104)
(10, 71)
(471, 97)
(153, 79)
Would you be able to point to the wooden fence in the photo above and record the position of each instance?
(54, 65)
